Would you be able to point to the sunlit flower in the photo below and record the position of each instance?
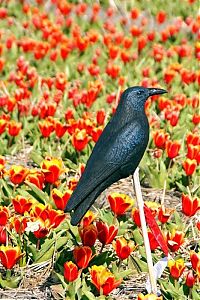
(21, 204)
(120, 203)
(103, 279)
(17, 174)
(60, 199)
(176, 267)
(175, 239)
(52, 168)
(9, 256)
(190, 205)
(123, 247)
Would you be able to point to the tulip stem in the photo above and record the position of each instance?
(138, 192)
(8, 274)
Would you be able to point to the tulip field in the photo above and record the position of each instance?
(63, 66)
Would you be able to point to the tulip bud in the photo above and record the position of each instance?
(190, 279)
(195, 260)
(82, 256)
(190, 205)
(106, 234)
(189, 165)
(70, 271)
(172, 148)
(88, 235)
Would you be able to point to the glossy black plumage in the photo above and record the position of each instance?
(118, 151)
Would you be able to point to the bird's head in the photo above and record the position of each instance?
(138, 95)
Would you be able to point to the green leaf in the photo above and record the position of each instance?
(36, 157)
(181, 187)
(137, 236)
(7, 188)
(178, 220)
(43, 197)
(195, 294)
(62, 280)
(139, 264)
(124, 274)
(11, 283)
(46, 256)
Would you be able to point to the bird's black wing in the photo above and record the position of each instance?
(116, 155)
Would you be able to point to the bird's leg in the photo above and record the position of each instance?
(138, 192)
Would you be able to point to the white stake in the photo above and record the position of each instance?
(138, 192)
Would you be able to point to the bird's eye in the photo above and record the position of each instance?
(140, 92)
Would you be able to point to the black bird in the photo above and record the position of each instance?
(118, 151)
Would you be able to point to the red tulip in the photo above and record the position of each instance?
(160, 137)
(19, 224)
(51, 168)
(190, 205)
(80, 139)
(103, 279)
(21, 204)
(4, 215)
(106, 234)
(60, 199)
(100, 117)
(17, 174)
(172, 148)
(14, 128)
(190, 279)
(164, 214)
(152, 241)
(82, 256)
(123, 248)
(120, 203)
(9, 256)
(175, 239)
(35, 177)
(189, 166)
(195, 260)
(88, 218)
(176, 267)
(88, 235)
(71, 272)
(136, 216)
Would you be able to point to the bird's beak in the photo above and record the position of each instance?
(155, 91)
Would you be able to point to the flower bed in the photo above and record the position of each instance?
(63, 67)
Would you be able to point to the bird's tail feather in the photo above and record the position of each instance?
(81, 209)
